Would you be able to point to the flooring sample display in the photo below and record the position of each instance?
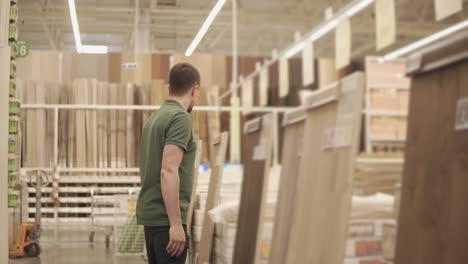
(343, 43)
(433, 210)
(291, 159)
(385, 23)
(324, 185)
(308, 71)
(196, 165)
(446, 8)
(256, 152)
(214, 187)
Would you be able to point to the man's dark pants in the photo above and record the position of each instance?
(157, 238)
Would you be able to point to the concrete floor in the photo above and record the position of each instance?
(70, 245)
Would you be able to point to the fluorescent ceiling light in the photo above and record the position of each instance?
(358, 7)
(295, 49)
(425, 41)
(204, 27)
(95, 49)
(329, 26)
(74, 20)
(324, 30)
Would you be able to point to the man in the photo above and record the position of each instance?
(167, 163)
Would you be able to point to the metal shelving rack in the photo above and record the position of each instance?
(14, 129)
(375, 143)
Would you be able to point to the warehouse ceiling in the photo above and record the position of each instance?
(168, 25)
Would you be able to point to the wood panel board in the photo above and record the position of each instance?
(324, 187)
(434, 212)
(194, 188)
(256, 151)
(294, 123)
(212, 199)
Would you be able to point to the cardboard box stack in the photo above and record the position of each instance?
(370, 230)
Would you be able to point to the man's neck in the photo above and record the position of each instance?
(182, 100)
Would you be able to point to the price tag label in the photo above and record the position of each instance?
(22, 48)
(462, 114)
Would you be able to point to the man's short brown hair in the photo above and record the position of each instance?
(182, 77)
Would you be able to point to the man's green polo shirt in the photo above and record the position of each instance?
(171, 124)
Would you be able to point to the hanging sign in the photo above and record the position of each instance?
(343, 43)
(385, 23)
(308, 71)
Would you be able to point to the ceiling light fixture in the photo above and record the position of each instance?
(327, 27)
(425, 41)
(204, 27)
(95, 49)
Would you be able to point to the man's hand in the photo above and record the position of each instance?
(176, 241)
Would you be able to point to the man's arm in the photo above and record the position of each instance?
(172, 156)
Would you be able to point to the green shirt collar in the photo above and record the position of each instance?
(174, 103)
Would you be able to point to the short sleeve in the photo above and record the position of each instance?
(179, 130)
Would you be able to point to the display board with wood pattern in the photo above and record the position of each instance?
(293, 124)
(321, 213)
(434, 210)
(212, 199)
(256, 151)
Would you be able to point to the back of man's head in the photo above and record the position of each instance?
(182, 77)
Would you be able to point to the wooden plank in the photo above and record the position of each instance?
(40, 132)
(294, 123)
(80, 94)
(324, 185)
(213, 124)
(130, 126)
(30, 152)
(102, 125)
(433, 211)
(212, 199)
(91, 136)
(113, 126)
(121, 128)
(256, 151)
(194, 187)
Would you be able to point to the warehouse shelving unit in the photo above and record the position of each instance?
(4, 133)
(386, 101)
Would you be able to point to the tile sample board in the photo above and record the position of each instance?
(324, 186)
(434, 210)
(256, 151)
(212, 199)
(293, 124)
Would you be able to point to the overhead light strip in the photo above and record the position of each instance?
(201, 33)
(425, 41)
(95, 49)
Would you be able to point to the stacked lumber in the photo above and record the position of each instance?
(91, 138)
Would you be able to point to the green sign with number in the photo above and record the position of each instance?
(22, 48)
